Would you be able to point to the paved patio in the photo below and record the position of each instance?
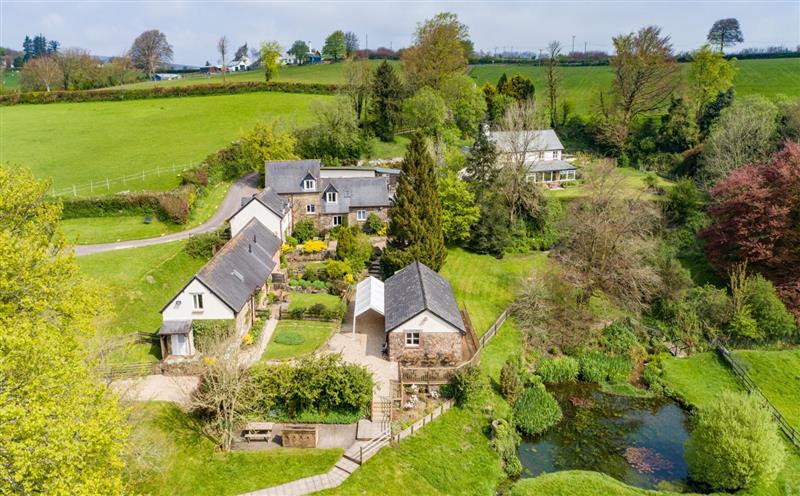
(365, 348)
(328, 436)
(175, 389)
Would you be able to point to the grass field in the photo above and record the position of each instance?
(189, 463)
(90, 230)
(582, 85)
(74, 143)
(777, 374)
(317, 73)
(139, 282)
(300, 337)
(10, 80)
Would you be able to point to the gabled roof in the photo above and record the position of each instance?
(550, 165)
(287, 176)
(242, 265)
(414, 289)
(369, 295)
(270, 199)
(532, 140)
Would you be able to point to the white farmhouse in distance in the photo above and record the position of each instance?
(541, 151)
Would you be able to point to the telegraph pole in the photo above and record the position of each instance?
(584, 48)
(573, 43)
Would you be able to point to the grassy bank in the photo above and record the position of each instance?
(582, 85)
(75, 143)
(777, 374)
(189, 464)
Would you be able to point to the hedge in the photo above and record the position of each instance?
(39, 97)
(173, 205)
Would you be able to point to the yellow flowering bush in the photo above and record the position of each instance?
(209, 361)
(285, 248)
(247, 339)
(314, 246)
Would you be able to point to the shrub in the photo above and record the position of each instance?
(466, 383)
(682, 201)
(505, 442)
(536, 410)
(374, 224)
(735, 444)
(304, 230)
(354, 247)
(291, 241)
(289, 338)
(204, 245)
(208, 332)
(314, 246)
(173, 205)
(766, 308)
(556, 370)
(510, 383)
(317, 309)
(337, 269)
(297, 313)
(618, 339)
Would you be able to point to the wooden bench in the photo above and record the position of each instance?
(257, 431)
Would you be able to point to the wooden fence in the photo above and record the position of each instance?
(442, 375)
(419, 424)
(752, 387)
(127, 370)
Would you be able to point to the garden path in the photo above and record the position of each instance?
(252, 356)
(157, 387)
(244, 187)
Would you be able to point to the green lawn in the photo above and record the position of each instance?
(189, 464)
(139, 282)
(90, 230)
(396, 148)
(633, 185)
(577, 483)
(700, 378)
(777, 374)
(306, 300)
(582, 85)
(317, 73)
(10, 80)
(295, 338)
(485, 284)
(74, 143)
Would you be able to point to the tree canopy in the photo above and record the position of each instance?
(335, 46)
(725, 32)
(150, 50)
(441, 48)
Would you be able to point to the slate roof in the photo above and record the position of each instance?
(287, 176)
(242, 265)
(354, 192)
(550, 165)
(538, 140)
(270, 199)
(417, 288)
(169, 327)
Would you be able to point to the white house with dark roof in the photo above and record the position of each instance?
(229, 287)
(333, 196)
(269, 208)
(541, 151)
(422, 323)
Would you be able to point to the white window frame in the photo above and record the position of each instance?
(331, 197)
(309, 184)
(335, 218)
(412, 338)
(311, 208)
(197, 302)
(361, 215)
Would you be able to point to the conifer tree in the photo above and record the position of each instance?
(387, 93)
(481, 167)
(415, 230)
(502, 82)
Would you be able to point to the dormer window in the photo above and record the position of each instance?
(331, 197)
(309, 184)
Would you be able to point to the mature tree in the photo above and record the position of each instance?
(27, 48)
(609, 241)
(645, 76)
(269, 53)
(518, 87)
(678, 130)
(709, 75)
(62, 431)
(223, 47)
(554, 80)
(150, 50)
(53, 46)
(459, 211)
(491, 235)
(745, 133)
(725, 32)
(754, 219)
(735, 444)
(711, 111)
(465, 101)
(387, 101)
(496, 102)
(481, 165)
(358, 83)
(226, 392)
(41, 73)
(78, 69)
(350, 43)
(335, 46)
(300, 50)
(241, 52)
(39, 46)
(426, 112)
(336, 138)
(415, 229)
(519, 125)
(438, 51)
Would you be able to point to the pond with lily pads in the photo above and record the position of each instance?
(638, 441)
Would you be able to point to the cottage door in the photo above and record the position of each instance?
(180, 346)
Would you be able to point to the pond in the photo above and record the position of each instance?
(638, 441)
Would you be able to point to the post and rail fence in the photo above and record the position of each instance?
(104, 185)
(739, 371)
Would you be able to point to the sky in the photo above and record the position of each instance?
(193, 27)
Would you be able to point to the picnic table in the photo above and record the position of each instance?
(257, 431)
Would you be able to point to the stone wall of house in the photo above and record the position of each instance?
(245, 318)
(299, 203)
(435, 349)
(382, 212)
(324, 222)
